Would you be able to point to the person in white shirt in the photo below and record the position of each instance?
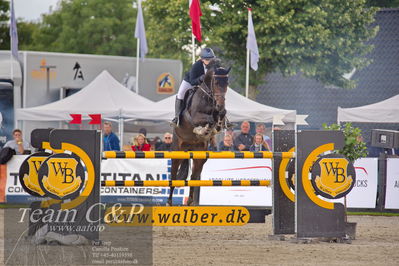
(18, 143)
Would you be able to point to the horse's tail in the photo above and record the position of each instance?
(182, 173)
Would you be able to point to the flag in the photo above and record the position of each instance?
(13, 32)
(95, 119)
(195, 14)
(140, 31)
(252, 46)
(76, 119)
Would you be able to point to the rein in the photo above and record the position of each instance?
(209, 92)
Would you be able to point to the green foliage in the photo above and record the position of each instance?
(321, 39)
(4, 29)
(355, 147)
(168, 29)
(25, 29)
(88, 26)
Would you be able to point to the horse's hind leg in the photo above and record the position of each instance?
(173, 176)
(196, 175)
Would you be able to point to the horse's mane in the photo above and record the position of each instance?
(212, 66)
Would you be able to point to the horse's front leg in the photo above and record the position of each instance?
(202, 123)
(196, 175)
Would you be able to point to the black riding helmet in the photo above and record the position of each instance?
(207, 53)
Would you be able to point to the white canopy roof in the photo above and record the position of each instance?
(239, 108)
(382, 112)
(104, 95)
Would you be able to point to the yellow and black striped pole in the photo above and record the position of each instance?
(186, 183)
(195, 155)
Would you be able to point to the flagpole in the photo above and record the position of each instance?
(137, 65)
(247, 76)
(11, 42)
(247, 72)
(193, 47)
(11, 65)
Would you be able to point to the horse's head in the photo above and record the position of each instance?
(217, 79)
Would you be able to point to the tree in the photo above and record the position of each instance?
(168, 28)
(321, 39)
(25, 29)
(88, 26)
(4, 29)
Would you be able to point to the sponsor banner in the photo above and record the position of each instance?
(363, 194)
(392, 187)
(111, 169)
(226, 169)
(15, 193)
(364, 191)
(138, 215)
(139, 170)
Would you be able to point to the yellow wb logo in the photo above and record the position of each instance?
(63, 177)
(30, 178)
(332, 177)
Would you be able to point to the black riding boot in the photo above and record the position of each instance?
(178, 109)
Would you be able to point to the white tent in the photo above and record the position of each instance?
(238, 109)
(104, 95)
(386, 111)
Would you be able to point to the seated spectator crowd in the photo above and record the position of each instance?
(244, 141)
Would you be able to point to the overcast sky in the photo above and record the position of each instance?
(32, 9)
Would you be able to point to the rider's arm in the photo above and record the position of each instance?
(197, 70)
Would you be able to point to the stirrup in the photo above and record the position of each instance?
(174, 122)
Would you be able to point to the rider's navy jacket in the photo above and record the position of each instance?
(197, 70)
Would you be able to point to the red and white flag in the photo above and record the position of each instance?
(195, 14)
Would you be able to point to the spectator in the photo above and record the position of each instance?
(229, 131)
(111, 141)
(259, 144)
(243, 141)
(261, 129)
(140, 143)
(18, 143)
(167, 142)
(155, 143)
(143, 131)
(227, 143)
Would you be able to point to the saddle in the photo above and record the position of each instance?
(188, 98)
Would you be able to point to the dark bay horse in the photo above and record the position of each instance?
(200, 121)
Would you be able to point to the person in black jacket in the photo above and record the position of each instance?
(192, 78)
(243, 141)
(167, 142)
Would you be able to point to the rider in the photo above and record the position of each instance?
(192, 78)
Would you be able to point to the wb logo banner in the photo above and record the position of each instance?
(61, 176)
(28, 173)
(333, 176)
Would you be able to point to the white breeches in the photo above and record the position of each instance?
(184, 86)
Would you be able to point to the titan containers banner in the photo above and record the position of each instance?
(139, 170)
(15, 193)
(227, 169)
(392, 187)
